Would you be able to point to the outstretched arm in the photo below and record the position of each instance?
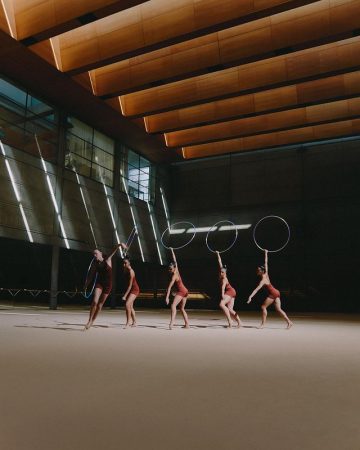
(173, 255)
(115, 250)
(171, 284)
(266, 262)
(131, 279)
(219, 260)
(259, 286)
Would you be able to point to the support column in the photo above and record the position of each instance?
(54, 276)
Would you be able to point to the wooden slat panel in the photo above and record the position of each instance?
(178, 23)
(4, 25)
(8, 23)
(253, 41)
(343, 55)
(34, 17)
(316, 114)
(300, 135)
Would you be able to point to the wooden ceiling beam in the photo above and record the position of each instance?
(267, 123)
(279, 139)
(34, 20)
(305, 65)
(279, 34)
(323, 90)
(160, 23)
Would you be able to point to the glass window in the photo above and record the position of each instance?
(138, 176)
(23, 116)
(89, 152)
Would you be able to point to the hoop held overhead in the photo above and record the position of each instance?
(215, 226)
(169, 228)
(271, 217)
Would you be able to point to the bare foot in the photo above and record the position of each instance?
(87, 326)
(260, 327)
(289, 325)
(170, 327)
(134, 325)
(126, 326)
(187, 326)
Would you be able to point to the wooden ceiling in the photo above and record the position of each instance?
(206, 77)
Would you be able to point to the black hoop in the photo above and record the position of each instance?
(89, 294)
(182, 246)
(272, 217)
(230, 246)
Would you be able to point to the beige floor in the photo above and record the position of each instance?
(204, 388)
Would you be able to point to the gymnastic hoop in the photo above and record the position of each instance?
(271, 217)
(89, 294)
(215, 226)
(169, 228)
(130, 239)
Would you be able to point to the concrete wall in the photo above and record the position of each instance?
(32, 261)
(315, 188)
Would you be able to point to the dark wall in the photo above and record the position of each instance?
(315, 188)
(25, 270)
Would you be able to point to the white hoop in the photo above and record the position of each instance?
(171, 226)
(272, 217)
(233, 242)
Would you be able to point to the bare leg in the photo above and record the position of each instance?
(234, 314)
(99, 307)
(282, 312)
(184, 313)
(223, 306)
(268, 301)
(130, 312)
(93, 307)
(174, 304)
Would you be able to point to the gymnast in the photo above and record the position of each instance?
(103, 268)
(228, 295)
(131, 293)
(181, 293)
(273, 294)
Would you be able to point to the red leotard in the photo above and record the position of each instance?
(272, 292)
(135, 287)
(229, 290)
(180, 288)
(104, 279)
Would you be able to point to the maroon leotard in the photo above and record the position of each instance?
(104, 279)
(180, 288)
(229, 290)
(135, 287)
(272, 292)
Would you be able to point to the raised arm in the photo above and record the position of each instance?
(259, 286)
(131, 279)
(172, 281)
(173, 255)
(115, 250)
(219, 260)
(266, 262)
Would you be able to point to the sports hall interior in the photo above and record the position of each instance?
(202, 117)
